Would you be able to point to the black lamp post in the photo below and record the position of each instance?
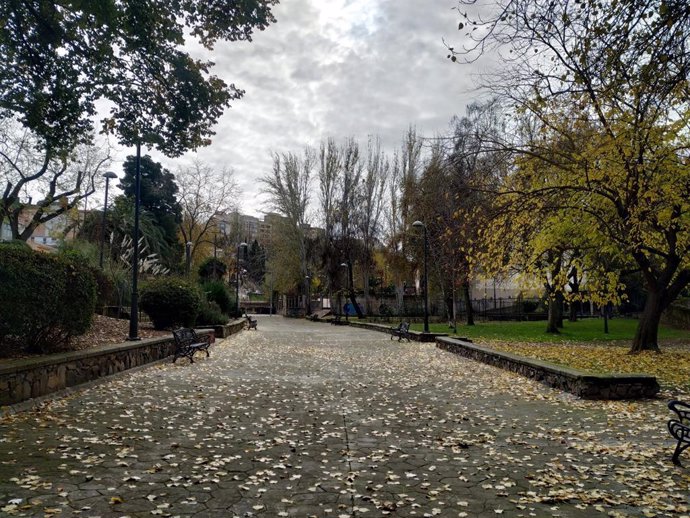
(237, 288)
(426, 276)
(270, 302)
(347, 272)
(134, 307)
(107, 177)
(188, 257)
(307, 278)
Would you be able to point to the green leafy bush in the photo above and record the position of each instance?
(212, 269)
(105, 288)
(170, 302)
(44, 299)
(211, 314)
(16, 243)
(218, 292)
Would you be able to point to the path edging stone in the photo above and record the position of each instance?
(583, 384)
(417, 336)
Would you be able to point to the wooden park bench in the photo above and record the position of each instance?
(680, 428)
(187, 342)
(251, 322)
(401, 331)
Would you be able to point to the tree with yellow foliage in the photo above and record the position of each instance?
(605, 86)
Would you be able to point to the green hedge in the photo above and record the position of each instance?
(170, 302)
(212, 269)
(44, 299)
(210, 314)
(218, 292)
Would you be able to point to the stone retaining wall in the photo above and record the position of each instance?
(415, 335)
(580, 383)
(225, 330)
(29, 378)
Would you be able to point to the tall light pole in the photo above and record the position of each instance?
(307, 278)
(134, 306)
(347, 272)
(188, 257)
(237, 288)
(270, 300)
(107, 177)
(426, 276)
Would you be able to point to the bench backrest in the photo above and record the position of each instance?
(185, 336)
(403, 327)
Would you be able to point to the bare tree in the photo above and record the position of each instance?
(57, 182)
(288, 188)
(348, 205)
(405, 170)
(204, 192)
(371, 205)
(329, 171)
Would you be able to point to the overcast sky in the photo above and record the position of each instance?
(335, 68)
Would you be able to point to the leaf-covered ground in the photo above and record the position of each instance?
(104, 330)
(671, 367)
(301, 419)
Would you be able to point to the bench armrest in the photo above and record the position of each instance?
(682, 409)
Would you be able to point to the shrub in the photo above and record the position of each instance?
(170, 302)
(85, 254)
(218, 292)
(530, 306)
(79, 301)
(211, 314)
(15, 243)
(44, 299)
(105, 288)
(212, 269)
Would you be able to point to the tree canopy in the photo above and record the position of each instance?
(601, 127)
(159, 201)
(61, 56)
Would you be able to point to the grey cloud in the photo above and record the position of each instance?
(304, 83)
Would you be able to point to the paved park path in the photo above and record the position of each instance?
(304, 419)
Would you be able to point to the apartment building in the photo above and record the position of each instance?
(49, 235)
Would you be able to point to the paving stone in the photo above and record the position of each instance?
(311, 420)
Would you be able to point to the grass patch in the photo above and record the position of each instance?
(586, 330)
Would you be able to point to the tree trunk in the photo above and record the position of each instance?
(575, 289)
(559, 308)
(646, 336)
(449, 308)
(468, 303)
(367, 297)
(353, 298)
(606, 321)
(453, 307)
(399, 297)
(552, 323)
